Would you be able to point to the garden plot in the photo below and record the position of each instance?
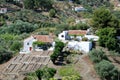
(45, 53)
(24, 63)
(18, 58)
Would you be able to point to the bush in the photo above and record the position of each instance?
(84, 39)
(45, 73)
(19, 27)
(5, 56)
(107, 70)
(72, 77)
(69, 58)
(104, 68)
(107, 38)
(82, 26)
(16, 46)
(30, 78)
(67, 71)
(97, 55)
(52, 13)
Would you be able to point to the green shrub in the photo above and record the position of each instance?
(72, 77)
(58, 50)
(67, 71)
(84, 39)
(52, 13)
(5, 55)
(45, 73)
(30, 78)
(107, 70)
(97, 55)
(16, 46)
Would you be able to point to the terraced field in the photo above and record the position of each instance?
(24, 63)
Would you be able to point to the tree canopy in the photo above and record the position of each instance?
(103, 18)
(45, 73)
(35, 4)
(107, 38)
(19, 27)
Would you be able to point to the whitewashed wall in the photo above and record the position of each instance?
(64, 34)
(27, 44)
(84, 46)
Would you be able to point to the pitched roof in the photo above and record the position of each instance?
(43, 38)
(77, 32)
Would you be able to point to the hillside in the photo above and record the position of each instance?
(37, 26)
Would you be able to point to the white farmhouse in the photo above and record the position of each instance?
(3, 10)
(78, 34)
(28, 43)
(74, 40)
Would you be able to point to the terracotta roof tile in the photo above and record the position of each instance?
(43, 38)
(77, 32)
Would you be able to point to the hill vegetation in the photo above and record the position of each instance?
(26, 17)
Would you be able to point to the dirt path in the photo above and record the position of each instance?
(86, 68)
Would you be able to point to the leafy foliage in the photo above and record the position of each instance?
(5, 55)
(107, 38)
(57, 51)
(73, 77)
(45, 73)
(29, 4)
(92, 3)
(19, 27)
(52, 13)
(42, 45)
(107, 70)
(38, 43)
(103, 18)
(35, 4)
(97, 55)
(16, 46)
(103, 66)
(2, 20)
(9, 44)
(30, 78)
(67, 71)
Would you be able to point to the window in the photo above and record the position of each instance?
(27, 43)
(62, 35)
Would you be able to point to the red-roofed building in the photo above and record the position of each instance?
(28, 43)
(70, 34)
